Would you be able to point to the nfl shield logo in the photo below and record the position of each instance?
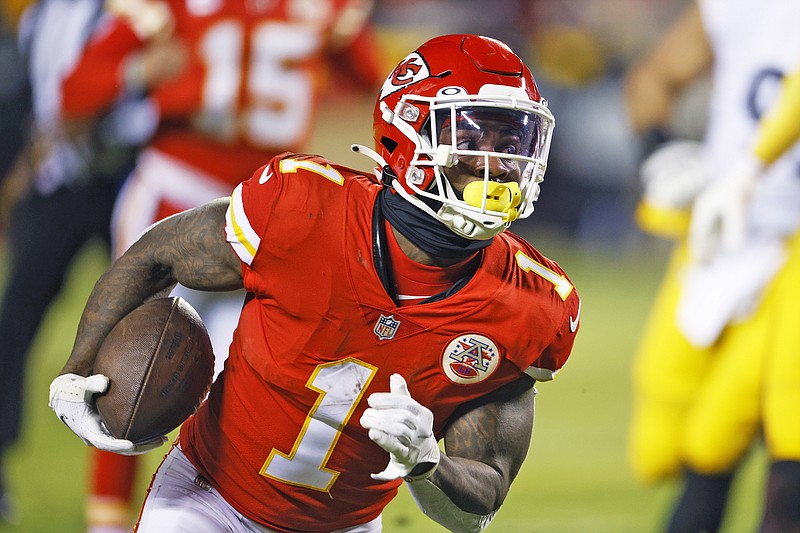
(386, 327)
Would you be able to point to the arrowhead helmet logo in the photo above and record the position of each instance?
(411, 70)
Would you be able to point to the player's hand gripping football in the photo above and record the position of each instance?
(719, 215)
(404, 428)
(72, 399)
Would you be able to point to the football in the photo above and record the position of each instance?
(160, 364)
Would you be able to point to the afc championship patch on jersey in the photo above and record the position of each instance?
(470, 358)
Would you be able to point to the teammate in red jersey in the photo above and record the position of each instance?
(249, 88)
(383, 314)
(235, 82)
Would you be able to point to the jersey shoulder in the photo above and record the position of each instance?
(293, 196)
(549, 275)
(548, 306)
(307, 176)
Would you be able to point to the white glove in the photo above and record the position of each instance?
(404, 428)
(673, 174)
(72, 399)
(719, 215)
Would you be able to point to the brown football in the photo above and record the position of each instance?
(160, 363)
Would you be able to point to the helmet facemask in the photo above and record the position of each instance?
(478, 159)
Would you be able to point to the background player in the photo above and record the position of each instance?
(251, 74)
(718, 363)
(325, 340)
(61, 190)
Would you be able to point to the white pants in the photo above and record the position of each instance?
(181, 501)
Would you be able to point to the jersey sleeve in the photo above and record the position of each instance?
(251, 204)
(780, 129)
(555, 355)
(566, 314)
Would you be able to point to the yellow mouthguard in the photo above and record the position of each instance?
(502, 197)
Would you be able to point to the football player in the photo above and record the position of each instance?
(384, 313)
(717, 364)
(234, 82)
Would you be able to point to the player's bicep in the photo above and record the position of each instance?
(192, 245)
(495, 430)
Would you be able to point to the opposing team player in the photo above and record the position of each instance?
(717, 366)
(251, 73)
(383, 313)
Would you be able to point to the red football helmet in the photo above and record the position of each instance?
(464, 98)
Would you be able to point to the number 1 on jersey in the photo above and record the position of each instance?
(340, 385)
(560, 283)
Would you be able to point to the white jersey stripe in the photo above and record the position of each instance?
(240, 234)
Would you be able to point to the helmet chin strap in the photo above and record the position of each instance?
(462, 222)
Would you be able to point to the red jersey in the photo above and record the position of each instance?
(251, 85)
(279, 434)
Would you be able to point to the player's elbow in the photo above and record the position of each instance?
(488, 501)
(482, 508)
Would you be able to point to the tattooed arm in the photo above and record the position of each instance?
(188, 248)
(486, 445)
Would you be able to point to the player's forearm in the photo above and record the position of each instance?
(127, 283)
(486, 447)
(649, 100)
(474, 487)
(653, 85)
(188, 248)
(440, 507)
(143, 271)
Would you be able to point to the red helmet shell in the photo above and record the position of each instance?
(465, 61)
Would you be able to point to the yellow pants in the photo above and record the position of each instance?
(703, 408)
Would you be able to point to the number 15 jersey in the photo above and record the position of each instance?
(279, 435)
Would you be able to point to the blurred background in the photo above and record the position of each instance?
(576, 478)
